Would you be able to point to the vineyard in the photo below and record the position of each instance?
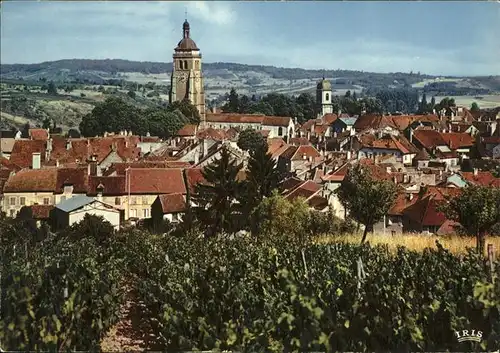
(275, 293)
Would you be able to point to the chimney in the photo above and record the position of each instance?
(339, 113)
(57, 162)
(388, 170)
(312, 127)
(410, 196)
(100, 189)
(92, 169)
(68, 145)
(395, 179)
(304, 156)
(205, 147)
(310, 159)
(349, 155)
(49, 145)
(411, 135)
(36, 160)
(475, 171)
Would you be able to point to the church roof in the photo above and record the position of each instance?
(324, 85)
(186, 43)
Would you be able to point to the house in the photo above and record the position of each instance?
(459, 142)
(169, 207)
(308, 190)
(400, 147)
(73, 210)
(425, 215)
(39, 134)
(343, 124)
(136, 191)
(42, 187)
(297, 159)
(277, 126)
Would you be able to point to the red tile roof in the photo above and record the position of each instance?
(304, 190)
(155, 181)
(234, 118)
(188, 130)
(299, 141)
(193, 177)
(112, 185)
(481, 178)
(456, 140)
(425, 212)
(38, 134)
(329, 118)
(120, 168)
(429, 138)
(173, 203)
(401, 203)
(296, 153)
(32, 180)
(211, 133)
(276, 121)
(22, 152)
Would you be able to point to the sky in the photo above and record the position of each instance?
(432, 37)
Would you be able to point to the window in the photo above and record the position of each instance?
(46, 200)
(185, 64)
(132, 201)
(280, 131)
(117, 201)
(197, 64)
(63, 198)
(145, 213)
(22, 201)
(133, 213)
(327, 97)
(144, 200)
(12, 201)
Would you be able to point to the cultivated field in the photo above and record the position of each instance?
(487, 101)
(456, 244)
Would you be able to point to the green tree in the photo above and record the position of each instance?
(262, 178)
(215, 200)
(423, 105)
(474, 107)
(276, 217)
(131, 94)
(113, 115)
(187, 109)
(46, 124)
(366, 199)
(477, 210)
(52, 88)
(250, 140)
(164, 123)
(233, 103)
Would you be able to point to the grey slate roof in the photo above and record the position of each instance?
(74, 203)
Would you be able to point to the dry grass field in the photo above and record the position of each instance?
(486, 101)
(456, 244)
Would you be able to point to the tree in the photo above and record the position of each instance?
(233, 103)
(423, 105)
(348, 94)
(215, 200)
(474, 107)
(46, 123)
(276, 217)
(94, 227)
(250, 140)
(131, 94)
(187, 109)
(164, 123)
(477, 210)
(366, 199)
(52, 88)
(262, 178)
(113, 115)
(432, 104)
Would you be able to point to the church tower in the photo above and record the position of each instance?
(324, 98)
(187, 80)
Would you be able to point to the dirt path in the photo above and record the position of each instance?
(132, 332)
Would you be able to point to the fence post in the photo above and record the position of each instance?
(491, 260)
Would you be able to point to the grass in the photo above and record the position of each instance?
(418, 242)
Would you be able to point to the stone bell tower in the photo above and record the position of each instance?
(187, 79)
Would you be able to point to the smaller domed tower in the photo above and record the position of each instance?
(324, 98)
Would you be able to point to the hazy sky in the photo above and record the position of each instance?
(449, 38)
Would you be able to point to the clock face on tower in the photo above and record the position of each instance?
(182, 77)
